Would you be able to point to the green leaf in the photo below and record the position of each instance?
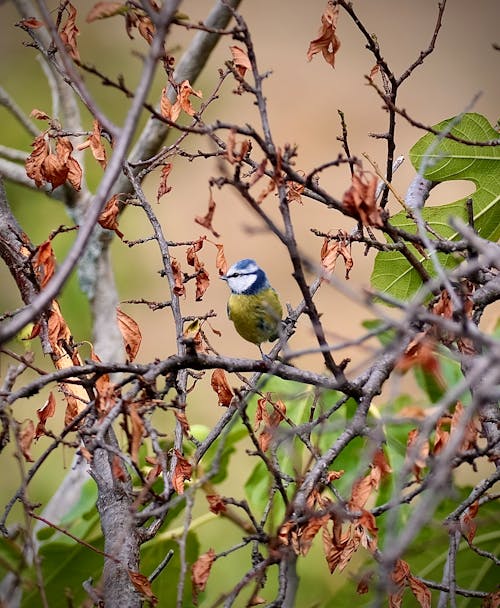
(165, 585)
(442, 160)
(65, 567)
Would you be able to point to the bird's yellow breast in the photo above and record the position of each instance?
(256, 317)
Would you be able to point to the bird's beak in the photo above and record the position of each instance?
(223, 277)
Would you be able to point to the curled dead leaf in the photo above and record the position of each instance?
(130, 332)
(26, 434)
(69, 31)
(183, 97)
(360, 201)
(182, 472)
(44, 263)
(216, 503)
(220, 261)
(163, 187)
(44, 413)
(35, 161)
(117, 469)
(30, 23)
(332, 249)
(94, 142)
(109, 215)
(143, 586)
(206, 220)
(200, 572)
(220, 385)
(179, 287)
(241, 60)
(102, 10)
(327, 42)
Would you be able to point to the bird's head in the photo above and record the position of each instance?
(246, 277)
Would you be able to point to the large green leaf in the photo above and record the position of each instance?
(442, 160)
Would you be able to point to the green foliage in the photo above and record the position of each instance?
(165, 585)
(439, 160)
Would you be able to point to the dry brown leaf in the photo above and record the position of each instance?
(361, 491)
(338, 547)
(69, 32)
(206, 220)
(327, 41)
(102, 10)
(308, 531)
(61, 342)
(163, 187)
(39, 114)
(137, 432)
(360, 202)
(200, 572)
(216, 503)
(220, 261)
(422, 352)
(117, 469)
(54, 170)
(183, 471)
(185, 92)
(85, 453)
(399, 577)
(270, 414)
(492, 600)
(35, 161)
(471, 431)
(30, 23)
(156, 469)
(331, 250)
(58, 332)
(418, 460)
(181, 418)
(241, 60)
(26, 434)
(364, 583)
(106, 390)
(70, 167)
(220, 385)
(109, 215)
(169, 110)
(143, 586)
(202, 283)
(381, 464)
(193, 337)
(441, 435)
(44, 263)
(44, 413)
(131, 334)
(374, 71)
(421, 592)
(256, 600)
(233, 155)
(179, 287)
(294, 191)
(94, 142)
(43, 166)
(191, 257)
(468, 526)
(75, 173)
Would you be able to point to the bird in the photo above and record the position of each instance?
(253, 306)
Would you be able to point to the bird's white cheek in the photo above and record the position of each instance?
(241, 283)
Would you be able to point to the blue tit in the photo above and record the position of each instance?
(253, 305)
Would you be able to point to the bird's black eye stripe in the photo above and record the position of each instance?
(235, 274)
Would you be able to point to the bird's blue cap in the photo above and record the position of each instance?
(247, 267)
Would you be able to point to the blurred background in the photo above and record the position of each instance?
(303, 99)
